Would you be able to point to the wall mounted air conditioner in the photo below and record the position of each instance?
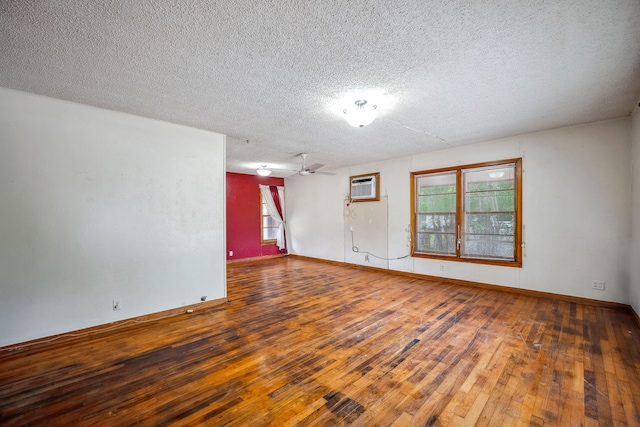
(365, 187)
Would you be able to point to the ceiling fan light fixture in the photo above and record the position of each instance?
(263, 171)
(361, 115)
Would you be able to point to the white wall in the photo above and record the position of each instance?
(576, 210)
(316, 216)
(634, 291)
(366, 228)
(97, 205)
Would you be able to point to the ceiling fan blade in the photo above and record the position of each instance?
(324, 173)
(285, 170)
(315, 166)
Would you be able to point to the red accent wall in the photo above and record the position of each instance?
(243, 216)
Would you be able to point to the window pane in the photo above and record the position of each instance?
(269, 234)
(436, 213)
(436, 192)
(268, 224)
(492, 177)
(487, 246)
(488, 223)
(490, 201)
(489, 212)
(267, 221)
(436, 243)
(437, 203)
(441, 223)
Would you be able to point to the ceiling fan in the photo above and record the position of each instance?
(304, 170)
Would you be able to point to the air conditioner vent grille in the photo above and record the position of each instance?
(363, 187)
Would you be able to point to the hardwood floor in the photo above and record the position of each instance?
(312, 344)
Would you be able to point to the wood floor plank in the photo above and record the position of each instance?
(305, 343)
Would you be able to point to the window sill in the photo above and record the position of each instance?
(497, 262)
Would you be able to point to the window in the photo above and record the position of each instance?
(469, 213)
(268, 225)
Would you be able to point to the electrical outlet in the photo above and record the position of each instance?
(116, 305)
(230, 253)
(598, 285)
(441, 267)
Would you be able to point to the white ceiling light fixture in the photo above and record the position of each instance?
(263, 171)
(361, 115)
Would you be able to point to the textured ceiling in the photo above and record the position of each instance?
(443, 73)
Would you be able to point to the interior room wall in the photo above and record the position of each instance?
(576, 210)
(243, 216)
(98, 206)
(315, 218)
(366, 225)
(634, 291)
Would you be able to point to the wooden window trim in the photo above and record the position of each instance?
(517, 262)
(264, 242)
